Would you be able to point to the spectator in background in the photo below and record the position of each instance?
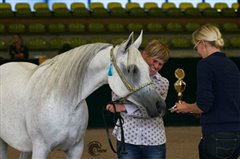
(17, 49)
(64, 48)
(238, 11)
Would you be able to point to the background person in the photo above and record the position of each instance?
(218, 97)
(65, 47)
(17, 49)
(144, 136)
(238, 11)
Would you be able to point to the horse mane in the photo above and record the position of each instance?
(64, 73)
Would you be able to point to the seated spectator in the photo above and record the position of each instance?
(65, 48)
(17, 49)
(238, 11)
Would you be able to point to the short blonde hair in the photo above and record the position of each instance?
(157, 48)
(210, 34)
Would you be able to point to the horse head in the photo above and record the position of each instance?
(129, 77)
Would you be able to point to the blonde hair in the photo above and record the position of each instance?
(210, 34)
(156, 48)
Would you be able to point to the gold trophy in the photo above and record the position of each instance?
(179, 85)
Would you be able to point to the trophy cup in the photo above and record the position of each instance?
(179, 85)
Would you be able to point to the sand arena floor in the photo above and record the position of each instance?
(182, 143)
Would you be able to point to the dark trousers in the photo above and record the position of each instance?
(224, 145)
(142, 152)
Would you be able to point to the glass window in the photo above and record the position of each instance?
(30, 2)
(177, 2)
(67, 2)
(105, 2)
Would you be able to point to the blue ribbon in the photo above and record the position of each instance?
(110, 72)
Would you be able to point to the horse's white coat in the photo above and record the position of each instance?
(43, 108)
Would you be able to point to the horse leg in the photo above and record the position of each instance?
(76, 151)
(40, 151)
(25, 155)
(3, 149)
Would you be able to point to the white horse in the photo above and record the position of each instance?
(43, 108)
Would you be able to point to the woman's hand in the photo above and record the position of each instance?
(119, 108)
(183, 107)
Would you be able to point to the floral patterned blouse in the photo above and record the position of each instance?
(139, 128)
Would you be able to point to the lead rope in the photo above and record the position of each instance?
(117, 116)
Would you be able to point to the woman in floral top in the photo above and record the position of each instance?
(144, 136)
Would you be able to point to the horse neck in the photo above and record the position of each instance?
(62, 77)
(97, 73)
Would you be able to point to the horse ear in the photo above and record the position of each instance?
(138, 42)
(132, 50)
(131, 61)
(125, 46)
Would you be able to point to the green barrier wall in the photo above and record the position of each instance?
(102, 96)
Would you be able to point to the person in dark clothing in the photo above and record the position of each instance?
(17, 49)
(238, 11)
(66, 47)
(218, 97)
